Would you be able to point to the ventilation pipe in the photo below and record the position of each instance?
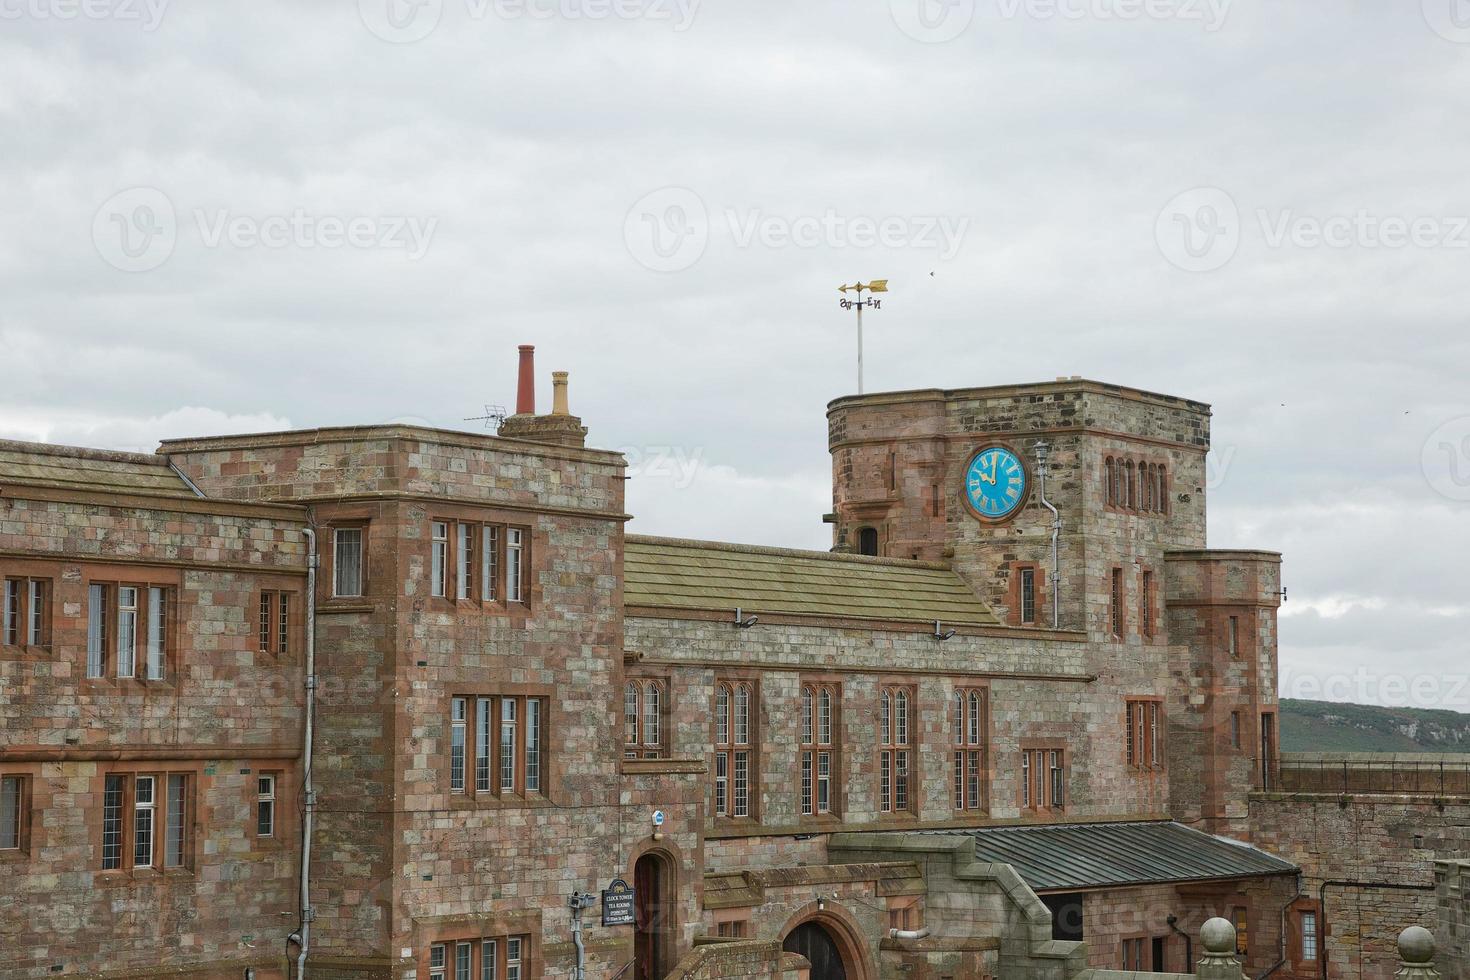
(302, 937)
(526, 381)
(1043, 450)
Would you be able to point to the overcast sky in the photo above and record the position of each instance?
(235, 216)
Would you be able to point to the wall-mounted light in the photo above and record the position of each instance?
(743, 622)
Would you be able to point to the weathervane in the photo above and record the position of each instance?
(876, 286)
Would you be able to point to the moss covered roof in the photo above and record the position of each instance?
(681, 574)
(66, 468)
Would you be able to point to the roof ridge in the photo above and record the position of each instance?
(758, 549)
(82, 452)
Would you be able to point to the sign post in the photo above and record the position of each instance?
(617, 904)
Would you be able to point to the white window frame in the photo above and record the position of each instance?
(357, 538)
(265, 805)
(439, 559)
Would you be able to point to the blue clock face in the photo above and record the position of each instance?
(995, 483)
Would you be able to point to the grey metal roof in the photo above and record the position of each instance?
(1067, 857)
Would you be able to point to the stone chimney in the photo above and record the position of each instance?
(560, 428)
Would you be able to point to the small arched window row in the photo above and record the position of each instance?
(1137, 486)
(644, 705)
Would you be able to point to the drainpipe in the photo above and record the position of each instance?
(1173, 923)
(1043, 449)
(302, 937)
(578, 902)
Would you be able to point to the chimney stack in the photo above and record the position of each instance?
(559, 393)
(526, 383)
(560, 428)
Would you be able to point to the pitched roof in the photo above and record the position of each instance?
(68, 468)
(705, 575)
(1074, 856)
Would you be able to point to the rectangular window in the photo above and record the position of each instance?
(1235, 729)
(1309, 935)
(893, 756)
(10, 615)
(439, 558)
(112, 822)
(176, 826)
(1144, 738)
(97, 630)
(533, 746)
(734, 734)
(463, 955)
(819, 704)
(438, 962)
(1268, 751)
(347, 561)
(25, 612)
(12, 816)
(737, 929)
(507, 745)
(1232, 638)
(265, 806)
(275, 621)
(489, 961)
(489, 562)
(465, 563)
(1147, 600)
(508, 751)
(1028, 595)
(127, 631)
(513, 958)
(969, 726)
(1117, 603)
(143, 810)
(483, 721)
(1043, 779)
(456, 745)
(514, 558)
(157, 633)
(36, 632)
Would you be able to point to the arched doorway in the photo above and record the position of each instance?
(654, 937)
(812, 940)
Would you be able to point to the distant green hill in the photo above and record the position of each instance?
(1326, 726)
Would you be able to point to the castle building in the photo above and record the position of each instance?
(409, 704)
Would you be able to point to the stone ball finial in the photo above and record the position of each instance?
(1416, 945)
(1218, 936)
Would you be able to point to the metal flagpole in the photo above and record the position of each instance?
(860, 347)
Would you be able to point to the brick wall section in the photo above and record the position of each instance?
(925, 439)
(221, 701)
(403, 861)
(1085, 716)
(1205, 590)
(1364, 838)
(1111, 916)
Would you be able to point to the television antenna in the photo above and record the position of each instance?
(876, 286)
(494, 415)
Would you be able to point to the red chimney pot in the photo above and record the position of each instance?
(526, 384)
